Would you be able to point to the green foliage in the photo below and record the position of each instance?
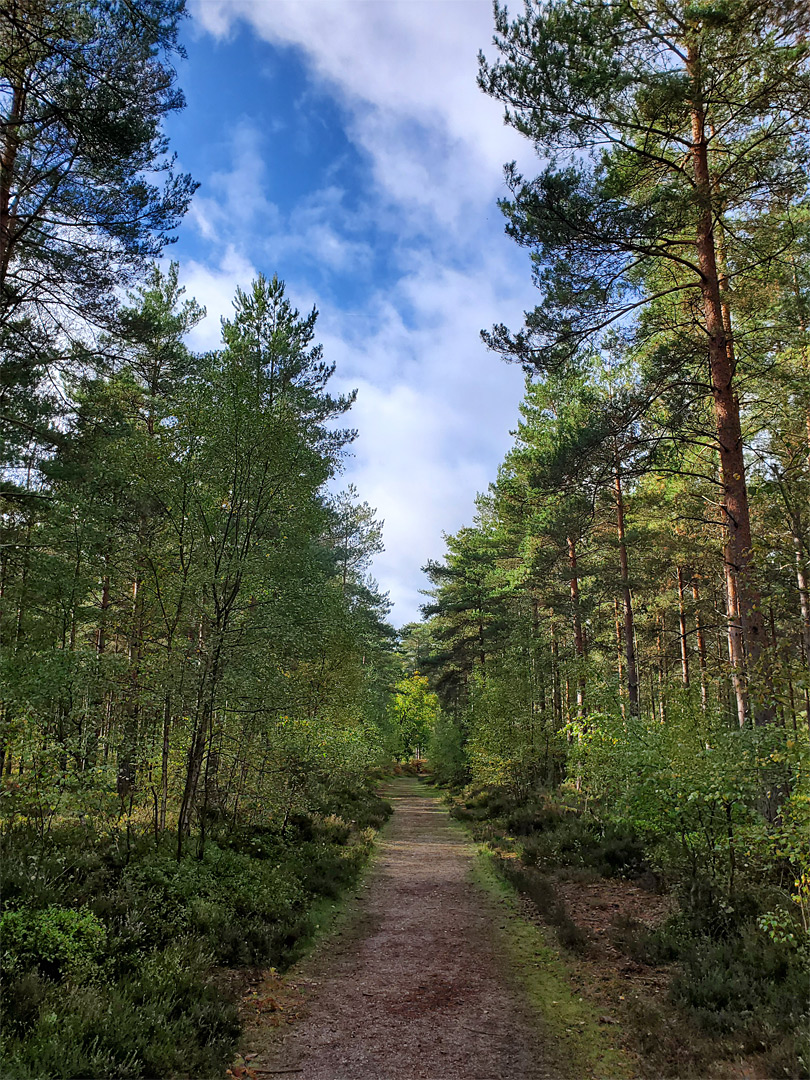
(693, 788)
(745, 982)
(91, 84)
(163, 1018)
(414, 712)
(57, 942)
(136, 933)
(446, 753)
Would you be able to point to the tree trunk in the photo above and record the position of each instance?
(129, 735)
(660, 638)
(8, 159)
(164, 761)
(579, 640)
(701, 646)
(629, 625)
(804, 603)
(805, 351)
(735, 644)
(556, 688)
(682, 625)
(738, 549)
(619, 651)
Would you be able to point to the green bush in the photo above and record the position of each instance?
(742, 983)
(446, 753)
(57, 942)
(136, 932)
(534, 817)
(164, 1019)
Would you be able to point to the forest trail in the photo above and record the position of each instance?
(413, 985)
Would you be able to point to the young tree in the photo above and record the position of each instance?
(415, 710)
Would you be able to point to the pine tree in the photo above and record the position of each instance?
(669, 130)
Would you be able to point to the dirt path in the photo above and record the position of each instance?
(413, 986)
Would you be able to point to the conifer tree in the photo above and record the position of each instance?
(668, 130)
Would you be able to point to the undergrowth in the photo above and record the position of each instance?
(109, 943)
(740, 972)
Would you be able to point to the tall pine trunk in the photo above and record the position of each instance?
(627, 599)
(579, 638)
(8, 160)
(744, 598)
(682, 628)
(701, 647)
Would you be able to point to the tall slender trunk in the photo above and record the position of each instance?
(804, 604)
(701, 646)
(203, 722)
(805, 655)
(660, 638)
(735, 644)
(619, 656)
(579, 639)
(131, 706)
(96, 700)
(629, 624)
(104, 606)
(738, 549)
(164, 761)
(805, 349)
(8, 160)
(682, 625)
(802, 585)
(556, 689)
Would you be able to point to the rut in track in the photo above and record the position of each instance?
(414, 986)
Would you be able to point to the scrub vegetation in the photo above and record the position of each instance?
(198, 681)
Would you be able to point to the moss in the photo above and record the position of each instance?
(578, 1045)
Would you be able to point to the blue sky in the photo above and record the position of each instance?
(344, 145)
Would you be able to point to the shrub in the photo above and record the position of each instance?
(57, 942)
(534, 817)
(136, 932)
(164, 1019)
(743, 983)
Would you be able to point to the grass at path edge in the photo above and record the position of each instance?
(578, 1044)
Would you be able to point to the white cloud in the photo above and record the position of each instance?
(236, 195)
(323, 232)
(215, 288)
(434, 409)
(407, 71)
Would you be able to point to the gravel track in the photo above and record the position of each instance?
(413, 986)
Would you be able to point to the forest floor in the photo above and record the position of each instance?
(429, 972)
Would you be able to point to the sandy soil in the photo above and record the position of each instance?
(413, 985)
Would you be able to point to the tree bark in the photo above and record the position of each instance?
(8, 159)
(619, 654)
(701, 646)
(579, 639)
(682, 625)
(736, 655)
(804, 603)
(629, 624)
(738, 549)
